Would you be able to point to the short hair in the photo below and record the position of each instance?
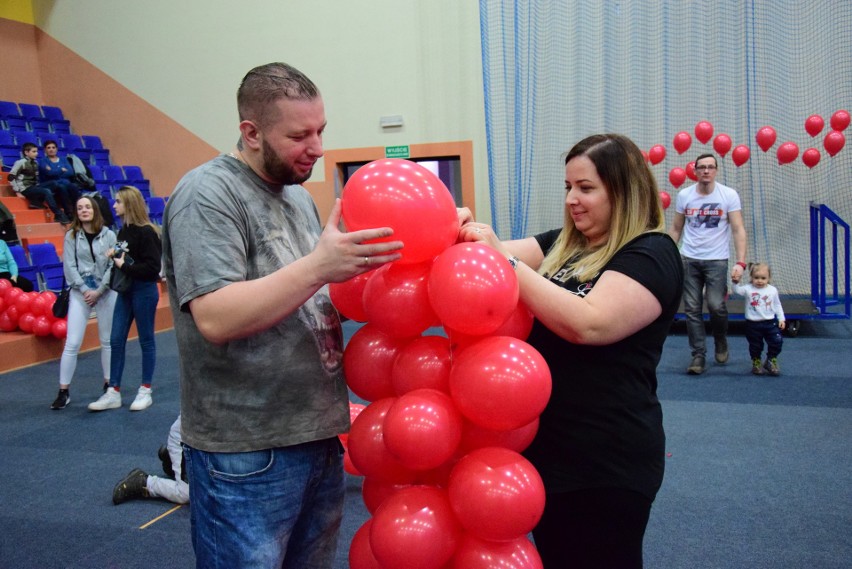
(53, 142)
(634, 197)
(135, 210)
(97, 218)
(27, 146)
(267, 84)
(708, 155)
(758, 266)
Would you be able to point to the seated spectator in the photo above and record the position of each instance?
(9, 269)
(24, 179)
(57, 174)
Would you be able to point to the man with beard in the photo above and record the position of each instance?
(263, 397)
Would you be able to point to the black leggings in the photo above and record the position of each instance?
(600, 528)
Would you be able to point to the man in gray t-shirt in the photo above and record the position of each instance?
(263, 396)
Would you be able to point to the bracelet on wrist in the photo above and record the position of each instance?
(514, 262)
(743, 265)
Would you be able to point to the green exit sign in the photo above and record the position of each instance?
(397, 152)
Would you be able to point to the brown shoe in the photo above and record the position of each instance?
(721, 349)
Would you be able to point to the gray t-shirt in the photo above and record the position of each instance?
(280, 387)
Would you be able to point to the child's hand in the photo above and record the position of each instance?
(736, 278)
(782, 325)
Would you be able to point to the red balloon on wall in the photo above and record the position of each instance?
(396, 299)
(407, 197)
(741, 154)
(348, 297)
(787, 152)
(722, 144)
(834, 142)
(368, 362)
(814, 125)
(703, 131)
(682, 141)
(839, 120)
(677, 176)
(657, 153)
(665, 199)
(811, 157)
(766, 137)
(690, 172)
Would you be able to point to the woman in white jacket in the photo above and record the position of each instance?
(87, 272)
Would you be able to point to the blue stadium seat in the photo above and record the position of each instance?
(7, 140)
(25, 267)
(23, 136)
(34, 117)
(134, 177)
(95, 145)
(58, 123)
(46, 260)
(156, 208)
(11, 117)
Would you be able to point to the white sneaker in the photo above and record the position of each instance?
(143, 399)
(111, 399)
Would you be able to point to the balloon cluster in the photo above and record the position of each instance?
(31, 312)
(439, 442)
(766, 136)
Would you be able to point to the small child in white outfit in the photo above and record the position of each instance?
(764, 319)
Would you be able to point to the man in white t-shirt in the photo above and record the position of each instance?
(707, 214)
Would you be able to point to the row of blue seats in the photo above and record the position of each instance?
(42, 265)
(89, 148)
(26, 116)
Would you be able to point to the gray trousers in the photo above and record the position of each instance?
(705, 281)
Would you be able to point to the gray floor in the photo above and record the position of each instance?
(759, 471)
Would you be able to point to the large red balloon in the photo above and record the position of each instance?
(475, 553)
(415, 529)
(657, 154)
(741, 154)
(677, 176)
(766, 137)
(834, 142)
(722, 144)
(348, 297)
(839, 120)
(59, 328)
(6, 323)
(360, 554)
(396, 299)
(42, 326)
(368, 362)
(496, 494)
(41, 305)
(11, 294)
(690, 172)
(2, 302)
(424, 363)
(814, 124)
(682, 141)
(367, 446)
(787, 152)
(375, 491)
(25, 301)
(4, 284)
(811, 157)
(26, 322)
(500, 383)
(407, 197)
(665, 199)
(473, 288)
(13, 313)
(354, 410)
(423, 429)
(519, 325)
(703, 131)
(474, 437)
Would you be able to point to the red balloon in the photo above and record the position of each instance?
(665, 199)
(474, 437)
(2, 302)
(703, 131)
(519, 325)
(26, 322)
(415, 529)
(500, 383)
(496, 494)
(375, 491)
(367, 446)
(722, 144)
(741, 154)
(42, 326)
(787, 152)
(13, 313)
(348, 297)
(348, 466)
(839, 120)
(766, 137)
(360, 554)
(473, 288)
(396, 299)
(11, 295)
(657, 153)
(25, 301)
(6, 323)
(690, 172)
(40, 306)
(50, 296)
(814, 124)
(811, 157)
(682, 141)
(475, 553)
(833, 143)
(406, 197)
(354, 410)
(644, 156)
(677, 176)
(5, 284)
(424, 363)
(423, 429)
(368, 361)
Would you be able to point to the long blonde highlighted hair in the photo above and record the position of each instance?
(135, 210)
(633, 195)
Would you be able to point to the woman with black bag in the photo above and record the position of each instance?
(135, 276)
(87, 274)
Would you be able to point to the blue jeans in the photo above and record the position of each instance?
(139, 303)
(278, 507)
(757, 332)
(705, 281)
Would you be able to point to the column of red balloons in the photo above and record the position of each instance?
(30, 312)
(439, 442)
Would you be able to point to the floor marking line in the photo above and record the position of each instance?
(161, 516)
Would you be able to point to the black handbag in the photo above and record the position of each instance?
(60, 307)
(119, 281)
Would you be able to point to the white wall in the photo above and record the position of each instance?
(416, 58)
